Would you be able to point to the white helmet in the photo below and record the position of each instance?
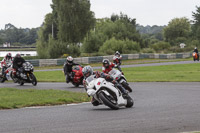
(117, 53)
(87, 71)
(70, 60)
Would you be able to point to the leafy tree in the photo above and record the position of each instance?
(43, 37)
(120, 27)
(75, 20)
(196, 23)
(178, 27)
(1, 40)
(93, 42)
(71, 21)
(18, 36)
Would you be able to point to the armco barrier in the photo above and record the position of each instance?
(48, 62)
(88, 60)
(34, 62)
(60, 62)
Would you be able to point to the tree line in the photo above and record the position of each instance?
(18, 36)
(72, 29)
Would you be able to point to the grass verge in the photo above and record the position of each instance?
(15, 98)
(167, 73)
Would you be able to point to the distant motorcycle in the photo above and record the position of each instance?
(117, 63)
(195, 56)
(77, 76)
(120, 78)
(106, 93)
(26, 75)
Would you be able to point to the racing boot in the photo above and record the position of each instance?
(67, 79)
(123, 90)
(94, 102)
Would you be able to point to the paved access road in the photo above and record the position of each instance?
(160, 107)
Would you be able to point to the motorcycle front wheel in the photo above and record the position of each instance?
(126, 86)
(130, 102)
(33, 79)
(107, 101)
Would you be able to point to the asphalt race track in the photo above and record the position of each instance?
(160, 107)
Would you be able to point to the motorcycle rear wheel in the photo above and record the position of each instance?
(76, 85)
(107, 101)
(20, 82)
(2, 80)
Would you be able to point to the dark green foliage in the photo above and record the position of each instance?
(18, 36)
(120, 27)
(178, 27)
(67, 25)
(93, 42)
(123, 46)
(160, 46)
(196, 25)
(75, 19)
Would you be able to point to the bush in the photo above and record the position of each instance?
(195, 43)
(148, 50)
(160, 46)
(123, 46)
(93, 42)
(177, 49)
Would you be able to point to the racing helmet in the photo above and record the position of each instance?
(69, 60)
(106, 63)
(8, 56)
(17, 56)
(117, 53)
(87, 71)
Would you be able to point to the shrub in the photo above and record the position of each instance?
(160, 46)
(123, 46)
(148, 50)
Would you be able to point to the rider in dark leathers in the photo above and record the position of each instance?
(17, 64)
(68, 68)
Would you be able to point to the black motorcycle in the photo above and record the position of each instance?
(25, 75)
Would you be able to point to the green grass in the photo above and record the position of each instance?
(168, 73)
(15, 98)
(50, 76)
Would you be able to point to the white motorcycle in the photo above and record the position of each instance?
(105, 93)
(120, 78)
(8, 71)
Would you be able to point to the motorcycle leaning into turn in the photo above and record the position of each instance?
(120, 78)
(24, 75)
(76, 76)
(106, 93)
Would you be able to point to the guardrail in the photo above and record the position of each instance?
(16, 47)
(96, 59)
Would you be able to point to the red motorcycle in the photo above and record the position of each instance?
(77, 76)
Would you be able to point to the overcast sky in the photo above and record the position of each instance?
(30, 13)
